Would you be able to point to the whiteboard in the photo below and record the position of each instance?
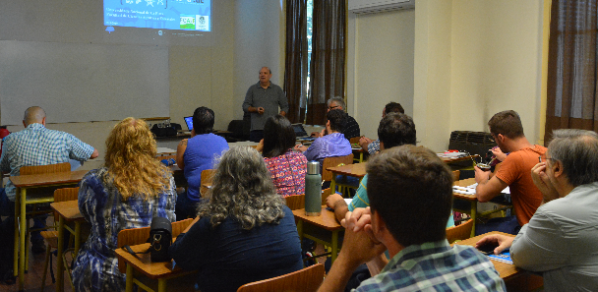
(78, 82)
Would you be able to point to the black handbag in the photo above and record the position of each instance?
(160, 240)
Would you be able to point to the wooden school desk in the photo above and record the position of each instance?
(323, 229)
(506, 271)
(453, 160)
(68, 211)
(355, 170)
(24, 183)
(141, 264)
(472, 199)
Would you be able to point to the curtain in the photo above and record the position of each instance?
(572, 63)
(295, 75)
(327, 67)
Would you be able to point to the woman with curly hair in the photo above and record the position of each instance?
(131, 189)
(245, 233)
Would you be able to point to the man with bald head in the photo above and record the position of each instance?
(262, 101)
(36, 145)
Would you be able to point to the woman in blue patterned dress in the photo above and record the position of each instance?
(131, 189)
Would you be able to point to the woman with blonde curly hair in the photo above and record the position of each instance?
(131, 189)
(245, 233)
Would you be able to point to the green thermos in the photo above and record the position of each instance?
(313, 189)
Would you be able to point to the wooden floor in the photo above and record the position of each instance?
(33, 278)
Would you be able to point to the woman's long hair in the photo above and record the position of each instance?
(242, 190)
(279, 136)
(131, 161)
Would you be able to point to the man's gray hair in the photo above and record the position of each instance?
(34, 114)
(337, 100)
(577, 150)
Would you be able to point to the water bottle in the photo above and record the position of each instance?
(313, 189)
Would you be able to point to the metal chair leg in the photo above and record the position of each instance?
(48, 254)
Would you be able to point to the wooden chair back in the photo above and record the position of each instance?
(135, 236)
(65, 194)
(207, 176)
(354, 140)
(41, 169)
(296, 202)
(456, 175)
(460, 232)
(332, 162)
(304, 280)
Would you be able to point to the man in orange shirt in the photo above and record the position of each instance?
(514, 172)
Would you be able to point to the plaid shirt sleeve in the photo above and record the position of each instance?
(374, 147)
(78, 150)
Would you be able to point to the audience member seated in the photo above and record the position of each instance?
(245, 233)
(410, 191)
(351, 128)
(36, 145)
(195, 155)
(374, 146)
(333, 143)
(560, 239)
(395, 129)
(131, 189)
(514, 172)
(287, 167)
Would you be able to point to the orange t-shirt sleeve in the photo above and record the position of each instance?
(509, 169)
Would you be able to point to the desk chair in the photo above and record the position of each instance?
(355, 140)
(304, 280)
(135, 236)
(459, 232)
(51, 237)
(337, 161)
(207, 176)
(32, 199)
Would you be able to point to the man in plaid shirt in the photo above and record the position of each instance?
(410, 191)
(36, 145)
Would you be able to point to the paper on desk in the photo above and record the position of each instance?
(470, 190)
(348, 201)
(165, 150)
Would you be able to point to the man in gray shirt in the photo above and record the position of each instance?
(262, 101)
(560, 240)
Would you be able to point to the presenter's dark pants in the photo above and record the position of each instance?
(256, 136)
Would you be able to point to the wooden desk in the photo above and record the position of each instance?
(141, 264)
(354, 170)
(506, 271)
(357, 151)
(68, 211)
(23, 183)
(453, 160)
(472, 199)
(323, 229)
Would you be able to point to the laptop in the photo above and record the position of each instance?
(189, 122)
(301, 133)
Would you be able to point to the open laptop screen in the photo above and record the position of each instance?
(189, 122)
(299, 130)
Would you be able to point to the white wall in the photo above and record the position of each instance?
(496, 62)
(432, 73)
(259, 41)
(216, 76)
(472, 60)
(382, 47)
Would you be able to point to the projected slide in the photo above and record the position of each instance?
(189, 15)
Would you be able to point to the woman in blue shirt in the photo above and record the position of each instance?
(131, 189)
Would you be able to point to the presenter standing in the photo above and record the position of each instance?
(262, 101)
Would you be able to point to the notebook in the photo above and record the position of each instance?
(189, 122)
